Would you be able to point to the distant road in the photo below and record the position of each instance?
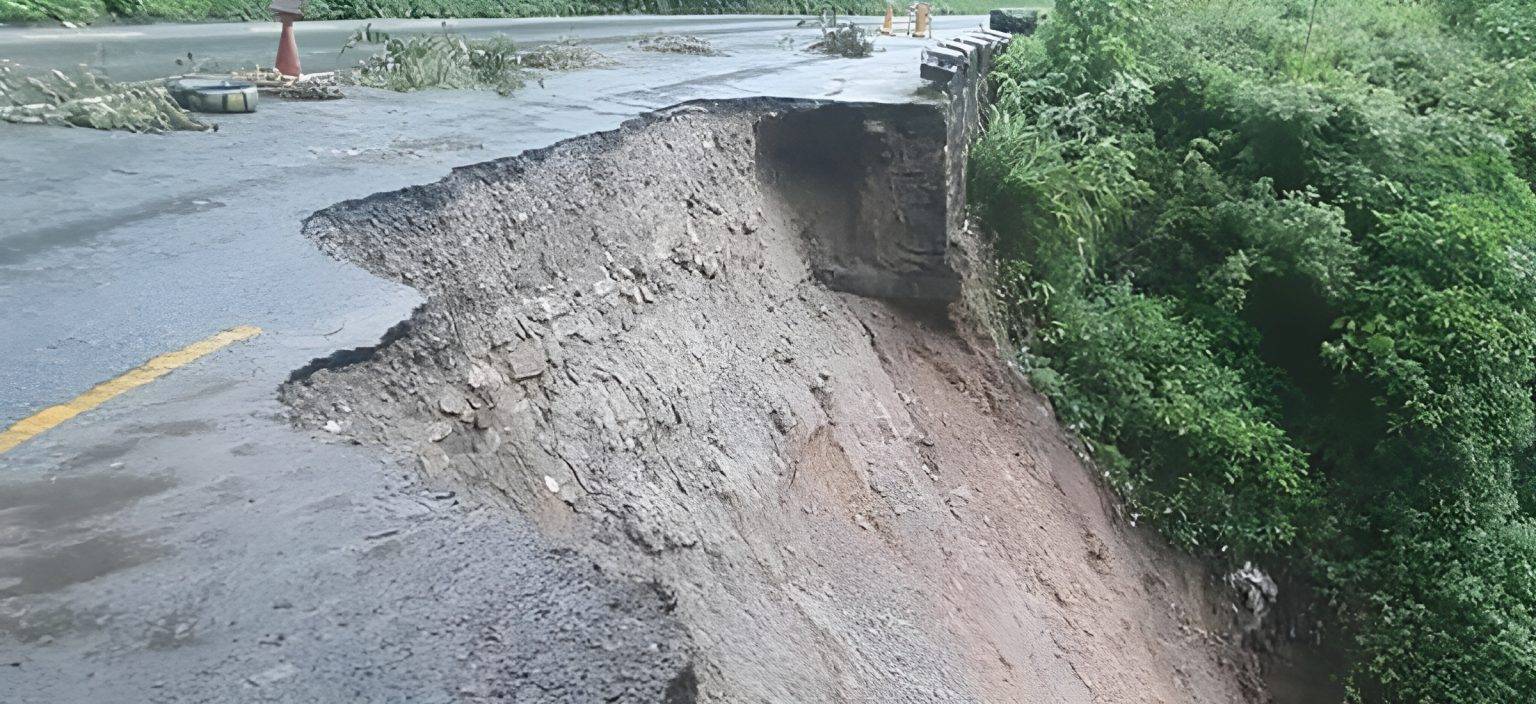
(139, 52)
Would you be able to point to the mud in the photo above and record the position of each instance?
(683, 358)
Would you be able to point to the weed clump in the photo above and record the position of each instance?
(564, 55)
(678, 44)
(847, 40)
(86, 99)
(453, 61)
(439, 61)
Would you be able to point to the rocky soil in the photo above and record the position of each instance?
(840, 498)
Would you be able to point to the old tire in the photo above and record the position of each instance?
(213, 95)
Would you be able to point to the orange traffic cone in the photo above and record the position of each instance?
(287, 47)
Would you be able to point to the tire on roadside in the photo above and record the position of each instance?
(213, 95)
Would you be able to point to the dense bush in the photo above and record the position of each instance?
(1276, 261)
(51, 10)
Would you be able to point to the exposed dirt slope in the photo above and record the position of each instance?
(849, 499)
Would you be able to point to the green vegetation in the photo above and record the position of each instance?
(677, 44)
(90, 11)
(453, 61)
(1276, 261)
(564, 55)
(844, 39)
(440, 61)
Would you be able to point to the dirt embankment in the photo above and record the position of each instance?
(848, 498)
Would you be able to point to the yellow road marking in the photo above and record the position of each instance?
(46, 419)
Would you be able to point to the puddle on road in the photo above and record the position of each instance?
(54, 566)
(174, 429)
(49, 533)
(45, 504)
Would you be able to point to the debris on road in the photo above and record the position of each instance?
(439, 61)
(678, 44)
(564, 55)
(847, 40)
(310, 86)
(90, 100)
(456, 62)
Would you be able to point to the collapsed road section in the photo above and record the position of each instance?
(728, 349)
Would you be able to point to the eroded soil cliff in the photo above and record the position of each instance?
(840, 497)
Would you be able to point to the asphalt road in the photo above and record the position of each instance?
(131, 53)
(182, 542)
